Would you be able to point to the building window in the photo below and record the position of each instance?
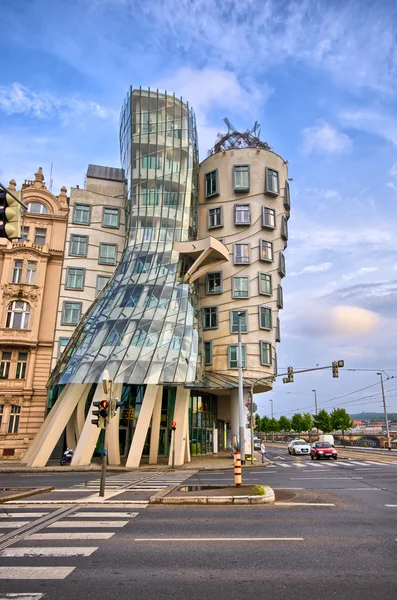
(287, 199)
(37, 208)
(272, 185)
(265, 317)
(241, 178)
(208, 353)
(266, 353)
(284, 228)
(107, 254)
(1, 413)
(62, 343)
(71, 313)
(242, 214)
(213, 283)
(75, 279)
(39, 236)
(101, 281)
(13, 423)
(210, 317)
(111, 217)
(25, 234)
(17, 271)
(268, 218)
(149, 197)
(278, 331)
(215, 217)
(265, 284)
(233, 356)
(241, 252)
(82, 214)
(280, 297)
(266, 250)
(151, 162)
(18, 315)
(31, 269)
(240, 287)
(211, 184)
(78, 245)
(20, 372)
(234, 319)
(281, 264)
(5, 365)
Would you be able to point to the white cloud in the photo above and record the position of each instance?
(393, 170)
(377, 123)
(359, 272)
(323, 137)
(391, 185)
(320, 268)
(19, 99)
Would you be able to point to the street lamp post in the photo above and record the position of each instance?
(271, 404)
(241, 390)
(385, 409)
(315, 405)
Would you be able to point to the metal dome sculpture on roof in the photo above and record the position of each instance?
(235, 139)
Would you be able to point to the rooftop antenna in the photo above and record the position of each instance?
(51, 180)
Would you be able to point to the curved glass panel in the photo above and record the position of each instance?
(144, 326)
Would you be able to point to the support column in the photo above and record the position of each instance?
(71, 432)
(89, 435)
(181, 414)
(52, 428)
(142, 426)
(79, 417)
(113, 431)
(155, 431)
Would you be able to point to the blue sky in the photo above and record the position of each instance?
(319, 75)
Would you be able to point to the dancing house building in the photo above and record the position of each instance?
(203, 244)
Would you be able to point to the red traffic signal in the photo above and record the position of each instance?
(104, 404)
(173, 425)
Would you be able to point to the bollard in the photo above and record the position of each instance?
(237, 469)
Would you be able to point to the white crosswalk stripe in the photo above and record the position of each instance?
(34, 573)
(78, 524)
(49, 552)
(21, 596)
(22, 515)
(66, 535)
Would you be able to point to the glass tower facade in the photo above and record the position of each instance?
(144, 328)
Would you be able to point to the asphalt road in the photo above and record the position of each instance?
(331, 533)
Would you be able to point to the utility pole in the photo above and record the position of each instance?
(107, 388)
(241, 390)
(271, 404)
(385, 409)
(315, 406)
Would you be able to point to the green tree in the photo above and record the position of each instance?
(307, 422)
(266, 424)
(323, 421)
(285, 424)
(341, 421)
(257, 423)
(298, 423)
(275, 425)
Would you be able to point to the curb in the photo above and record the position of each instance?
(163, 497)
(25, 494)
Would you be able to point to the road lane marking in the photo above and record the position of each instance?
(104, 514)
(35, 572)
(222, 539)
(8, 525)
(61, 552)
(330, 477)
(87, 535)
(21, 596)
(303, 504)
(63, 524)
(391, 505)
(22, 515)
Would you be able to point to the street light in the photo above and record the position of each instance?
(271, 404)
(385, 409)
(315, 405)
(241, 390)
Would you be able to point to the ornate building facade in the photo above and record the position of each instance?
(30, 275)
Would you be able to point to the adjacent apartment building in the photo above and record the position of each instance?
(30, 275)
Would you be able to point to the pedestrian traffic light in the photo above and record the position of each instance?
(10, 216)
(96, 413)
(335, 370)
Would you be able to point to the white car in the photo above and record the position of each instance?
(299, 447)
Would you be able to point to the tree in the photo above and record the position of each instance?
(323, 421)
(275, 425)
(307, 422)
(298, 423)
(341, 421)
(266, 424)
(257, 422)
(285, 424)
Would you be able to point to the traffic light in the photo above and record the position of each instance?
(335, 370)
(10, 216)
(290, 378)
(96, 413)
(104, 405)
(173, 425)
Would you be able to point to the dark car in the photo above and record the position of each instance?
(323, 450)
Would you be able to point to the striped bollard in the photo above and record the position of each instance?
(237, 469)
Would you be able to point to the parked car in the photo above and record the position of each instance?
(257, 444)
(323, 450)
(298, 447)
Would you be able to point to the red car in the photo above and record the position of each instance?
(323, 450)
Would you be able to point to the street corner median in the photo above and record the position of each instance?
(12, 494)
(213, 494)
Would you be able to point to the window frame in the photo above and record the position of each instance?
(21, 366)
(114, 208)
(265, 225)
(287, 196)
(280, 296)
(41, 212)
(71, 241)
(59, 353)
(67, 286)
(236, 211)
(25, 233)
(267, 311)
(260, 287)
(63, 321)
(78, 205)
(241, 188)
(97, 291)
(284, 228)
(24, 321)
(261, 244)
(207, 287)
(5, 364)
(30, 270)
(244, 356)
(264, 363)
(204, 308)
(235, 244)
(278, 330)
(37, 229)
(281, 265)
(17, 270)
(13, 421)
(214, 209)
(210, 345)
(233, 287)
(216, 192)
(267, 189)
(101, 261)
(238, 310)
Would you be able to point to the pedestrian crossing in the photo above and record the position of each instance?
(138, 482)
(52, 539)
(328, 464)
